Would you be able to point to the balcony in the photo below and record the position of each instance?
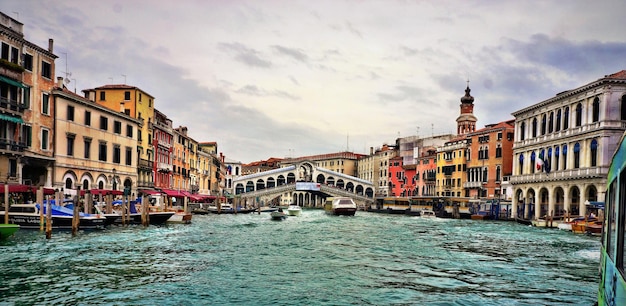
(165, 167)
(12, 146)
(12, 105)
(144, 163)
(473, 184)
(561, 175)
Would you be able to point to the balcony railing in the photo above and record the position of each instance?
(569, 174)
(165, 167)
(12, 105)
(11, 145)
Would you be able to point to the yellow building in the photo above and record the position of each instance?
(137, 104)
(451, 168)
(181, 173)
(95, 147)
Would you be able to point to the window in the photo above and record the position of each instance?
(556, 158)
(102, 151)
(10, 53)
(104, 123)
(558, 120)
(564, 157)
(46, 70)
(116, 154)
(129, 131)
(45, 134)
(45, 104)
(129, 156)
(26, 97)
(28, 133)
(594, 153)
(87, 118)
(28, 62)
(87, 144)
(543, 124)
(149, 102)
(127, 96)
(623, 110)
(577, 155)
(551, 123)
(70, 144)
(579, 114)
(566, 119)
(117, 127)
(13, 167)
(522, 131)
(70, 113)
(534, 132)
(498, 151)
(596, 110)
(103, 96)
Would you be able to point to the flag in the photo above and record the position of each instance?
(539, 163)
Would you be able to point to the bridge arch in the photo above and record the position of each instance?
(260, 184)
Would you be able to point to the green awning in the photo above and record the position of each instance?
(12, 82)
(11, 118)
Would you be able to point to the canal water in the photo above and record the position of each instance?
(314, 259)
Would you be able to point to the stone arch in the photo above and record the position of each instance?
(260, 184)
(359, 189)
(280, 180)
(239, 188)
(340, 184)
(320, 179)
(291, 178)
(330, 181)
(558, 195)
(369, 192)
(69, 179)
(350, 187)
(305, 172)
(543, 199)
(271, 182)
(102, 181)
(86, 181)
(575, 200)
(591, 193)
(249, 186)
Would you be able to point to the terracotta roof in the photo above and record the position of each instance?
(116, 86)
(618, 75)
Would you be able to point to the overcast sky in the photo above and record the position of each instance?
(294, 78)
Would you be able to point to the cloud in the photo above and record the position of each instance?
(245, 55)
(296, 54)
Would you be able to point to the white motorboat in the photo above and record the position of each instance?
(294, 210)
(340, 206)
(427, 213)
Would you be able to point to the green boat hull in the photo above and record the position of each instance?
(6, 230)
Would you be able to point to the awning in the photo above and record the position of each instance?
(174, 193)
(11, 118)
(12, 82)
(105, 192)
(20, 188)
(148, 191)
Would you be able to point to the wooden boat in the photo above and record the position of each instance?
(134, 217)
(294, 210)
(342, 206)
(6, 230)
(523, 221)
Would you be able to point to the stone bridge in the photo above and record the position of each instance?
(304, 184)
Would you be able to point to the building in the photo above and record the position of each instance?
(489, 160)
(137, 104)
(397, 178)
(452, 157)
(426, 172)
(163, 137)
(340, 162)
(181, 167)
(27, 74)
(95, 147)
(564, 146)
(375, 168)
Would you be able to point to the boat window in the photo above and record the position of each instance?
(619, 205)
(21, 209)
(609, 224)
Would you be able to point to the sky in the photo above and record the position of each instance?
(297, 78)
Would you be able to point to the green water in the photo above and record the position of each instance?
(314, 259)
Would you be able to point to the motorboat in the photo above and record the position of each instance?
(278, 215)
(294, 210)
(134, 217)
(227, 208)
(28, 216)
(427, 213)
(341, 206)
(6, 230)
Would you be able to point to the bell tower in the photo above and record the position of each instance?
(466, 122)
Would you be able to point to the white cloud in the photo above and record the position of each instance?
(272, 78)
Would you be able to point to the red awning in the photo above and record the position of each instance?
(173, 193)
(105, 192)
(20, 188)
(148, 191)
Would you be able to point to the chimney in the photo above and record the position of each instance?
(60, 82)
(50, 44)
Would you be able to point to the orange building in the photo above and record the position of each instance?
(426, 172)
(489, 159)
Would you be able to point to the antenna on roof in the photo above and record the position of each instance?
(124, 78)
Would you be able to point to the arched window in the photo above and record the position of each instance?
(551, 123)
(566, 119)
(577, 155)
(532, 162)
(594, 153)
(543, 124)
(522, 131)
(556, 159)
(68, 183)
(521, 164)
(579, 114)
(85, 185)
(623, 108)
(498, 174)
(534, 134)
(564, 157)
(595, 117)
(558, 120)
